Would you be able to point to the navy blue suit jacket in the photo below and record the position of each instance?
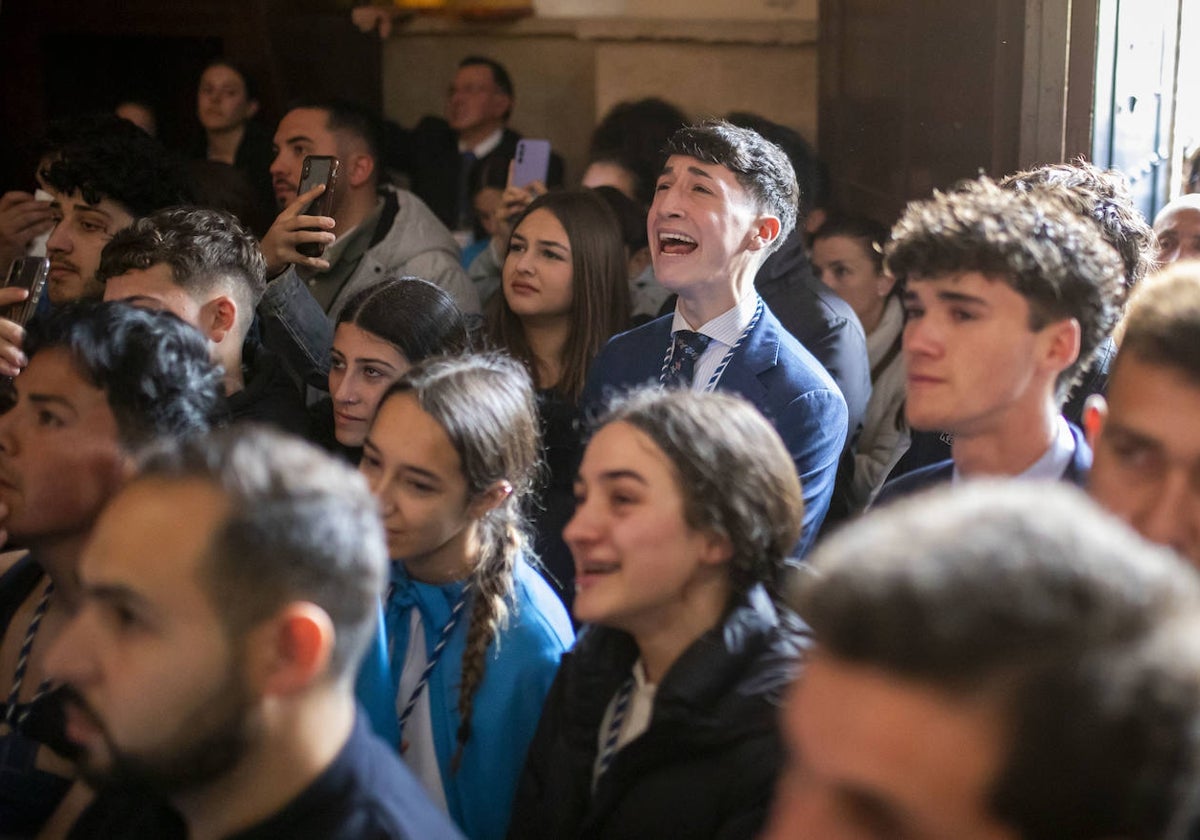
(773, 371)
(934, 474)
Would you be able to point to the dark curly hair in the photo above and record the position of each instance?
(1102, 196)
(1032, 241)
(154, 368)
(760, 166)
(114, 159)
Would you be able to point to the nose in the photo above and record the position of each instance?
(666, 202)
(71, 658)
(922, 337)
(582, 526)
(60, 241)
(345, 391)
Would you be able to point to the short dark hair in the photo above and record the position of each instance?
(154, 369)
(1083, 638)
(344, 115)
(413, 315)
(1102, 196)
(300, 526)
(499, 73)
(812, 174)
(1031, 241)
(760, 166)
(112, 158)
(1162, 326)
(733, 471)
(206, 250)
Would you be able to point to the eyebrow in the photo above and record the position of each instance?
(369, 360)
(695, 170)
(54, 399)
(370, 444)
(949, 296)
(117, 593)
(616, 475)
(299, 138)
(552, 243)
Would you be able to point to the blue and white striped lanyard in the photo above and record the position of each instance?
(712, 381)
(435, 656)
(615, 724)
(11, 717)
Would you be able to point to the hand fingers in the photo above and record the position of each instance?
(8, 296)
(12, 336)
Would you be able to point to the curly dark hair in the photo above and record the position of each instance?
(154, 368)
(1102, 196)
(112, 158)
(760, 166)
(1032, 241)
(206, 250)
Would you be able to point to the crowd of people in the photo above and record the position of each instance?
(679, 503)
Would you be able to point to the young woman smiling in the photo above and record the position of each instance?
(663, 721)
(564, 294)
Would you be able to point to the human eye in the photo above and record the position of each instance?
(551, 254)
(421, 486)
(517, 246)
(50, 419)
(372, 372)
(92, 226)
(961, 315)
(913, 310)
(369, 463)
(702, 189)
(1135, 453)
(337, 363)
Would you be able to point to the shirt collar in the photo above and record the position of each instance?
(486, 146)
(727, 327)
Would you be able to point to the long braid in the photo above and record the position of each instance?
(501, 542)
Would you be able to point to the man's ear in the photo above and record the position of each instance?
(1062, 343)
(1095, 414)
(489, 499)
(815, 218)
(718, 549)
(358, 169)
(220, 317)
(766, 229)
(291, 650)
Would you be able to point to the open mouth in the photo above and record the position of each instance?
(676, 244)
(588, 571)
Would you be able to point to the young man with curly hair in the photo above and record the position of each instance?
(1008, 295)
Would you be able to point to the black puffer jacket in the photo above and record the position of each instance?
(707, 764)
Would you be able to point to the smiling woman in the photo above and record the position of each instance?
(663, 719)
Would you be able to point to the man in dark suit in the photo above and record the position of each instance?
(1008, 296)
(446, 158)
(725, 200)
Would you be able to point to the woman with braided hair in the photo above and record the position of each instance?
(473, 634)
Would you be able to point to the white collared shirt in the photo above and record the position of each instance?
(724, 331)
(1054, 462)
(485, 146)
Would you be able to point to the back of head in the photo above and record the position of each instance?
(112, 158)
(1033, 242)
(1162, 325)
(301, 526)
(733, 471)
(1102, 196)
(208, 252)
(760, 166)
(1083, 638)
(634, 134)
(154, 368)
(418, 318)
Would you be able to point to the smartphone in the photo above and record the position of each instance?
(318, 169)
(532, 162)
(28, 273)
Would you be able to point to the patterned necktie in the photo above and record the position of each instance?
(685, 350)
